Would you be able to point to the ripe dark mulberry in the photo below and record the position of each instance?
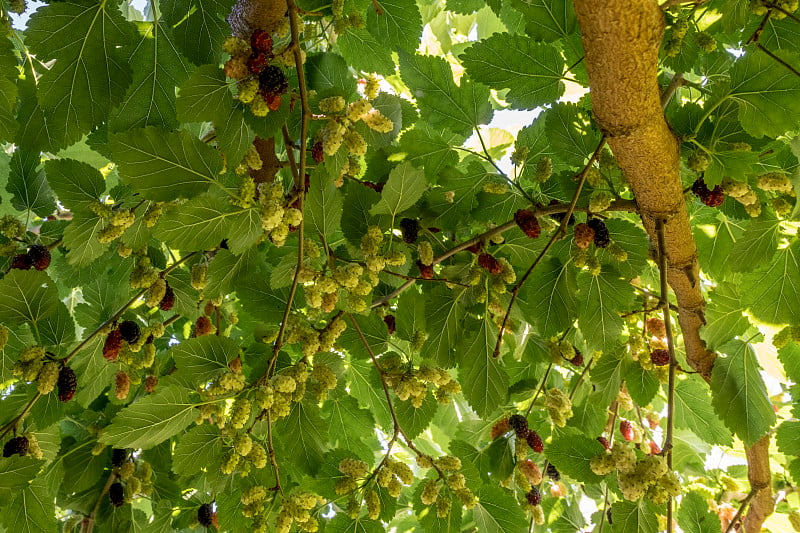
(118, 457)
(150, 383)
(519, 424)
(16, 446)
(116, 494)
(553, 473)
(535, 441)
(425, 271)
(168, 301)
(112, 345)
(391, 323)
(205, 515)
(528, 223)
(409, 227)
(129, 330)
(22, 262)
(583, 235)
(626, 430)
(261, 41)
(601, 236)
(488, 262)
(712, 198)
(203, 326)
(577, 360)
(272, 81)
(500, 427)
(475, 248)
(604, 441)
(67, 383)
(533, 496)
(40, 256)
(659, 357)
(317, 152)
(257, 62)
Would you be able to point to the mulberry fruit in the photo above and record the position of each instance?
(626, 430)
(528, 223)
(257, 62)
(39, 256)
(22, 262)
(656, 327)
(16, 446)
(698, 161)
(425, 271)
(577, 359)
(519, 424)
(409, 227)
(67, 383)
(533, 496)
(112, 345)
(116, 494)
(168, 301)
(122, 385)
(129, 330)
(535, 441)
(583, 235)
(531, 471)
(317, 153)
(489, 263)
(205, 515)
(118, 457)
(391, 323)
(711, 198)
(500, 427)
(660, 357)
(150, 383)
(601, 237)
(553, 473)
(203, 327)
(272, 81)
(604, 441)
(261, 41)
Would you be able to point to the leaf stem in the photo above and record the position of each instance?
(88, 523)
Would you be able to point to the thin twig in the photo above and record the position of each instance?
(539, 390)
(88, 523)
(778, 59)
(272, 457)
(669, 92)
(738, 516)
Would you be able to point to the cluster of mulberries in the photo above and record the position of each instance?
(649, 476)
(410, 383)
(295, 510)
(37, 256)
(352, 470)
(451, 479)
(132, 344)
(600, 200)
(528, 223)
(339, 129)
(525, 435)
(710, 197)
(393, 475)
(374, 259)
(134, 477)
(34, 364)
(277, 218)
(674, 45)
(261, 82)
(559, 406)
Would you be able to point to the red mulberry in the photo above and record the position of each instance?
(22, 262)
(112, 345)
(519, 424)
(203, 327)
(40, 256)
(712, 198)
(656, 326)
(168, 301)
(317, 153)
(660, 357)
(16, 446)
(489, 263)
(67, 383)
(425, 271)
(626, 430)
(528, 223)
(577, 360)
(116, 494)
(601, 237)
(409, 227)
(500, 427)
(150, 383)
(391, 323)
(261, 41)
(257, 62)
(533, 496)
(205, 515)
(583, 235)
(604, 441)
(129, 330)
(535, 441)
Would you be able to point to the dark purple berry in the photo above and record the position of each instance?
(67, 383)
(535, 441)
(40, 256)
(553, 473)
(116, 494)
(272, 81)
(409, 227)
(22, 262)
(519, 424)
(130, 331)
(168, 301)
(601, 236)
(205, 515)
(16, 446)
(118, 457)
(533, 496)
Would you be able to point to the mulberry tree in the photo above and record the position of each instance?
(397, 265)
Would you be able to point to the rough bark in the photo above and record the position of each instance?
(621, 41)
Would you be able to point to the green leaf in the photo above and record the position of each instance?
(8, 104)
(607, 375)
(430, 149)
(530, 70)
(364, 52)
(234, 135)
(693, 411)
(203, 222)
(164, 165)
(32, 510)
(328, 74)
(768, 93)
(303, 437)
(27, 296)
(445, 313)
(415, 420)
(571, 134)
(642, 384)
(375, 332)
(323, 206)
(459, 108)
(26, 181)
(404, 187)
(17, 471)
(199, 448)
(348, 425)
(80, 239)
(199, 27)
(200, 359)
(788, 437)
(151, 420)
(344, 524)
(365, 386)
(570, 452)
(90, 74)
(76, 184)
(487, 379)
(634, 517)
(601, 300)
(736, 164)
(739, 394)
(789, 356)
(549, 298)
(757, 245)
(158, 67)
(772, 295)
(226, 267)
(205, 96)
(498, 512)
(724, 318)
(547, 20)
(395, 24)
(695, 517)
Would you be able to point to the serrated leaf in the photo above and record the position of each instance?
(158, 67)
(164, 165)
(199, 27)
(601, 300)
(323, 206)
(200, 359)
(459, 108)
(498, 512)
(445, 315)
(607, 375)
(757, 245)
(76, 184)
(32, 510)
(693, 411)
(234, 135)
(772, 295)
(642, 384)
(788, 437)
(151, 420)
(724, 317)
(549, 298)
(739, 394)
(736, 164)
(90, 74)
(197, 449)
(570, 452)
(205, 96)
(789, 356)
(530, 70)
(328, 74)
(634, 517)
(571, 133)
(402, 190)
(80, 239)
(414, 420)
(430, 149)
(26, 181)
(344, 524)
(694, 515)
(17, 471)
(225, 268)
(304, 437)
(364, 52)
(27, 296)
(348, 424)
(375, 332)
(8, 104)
(547, 20)
(365, 386)
(488, 381)
(395, 24)
(768, 93)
